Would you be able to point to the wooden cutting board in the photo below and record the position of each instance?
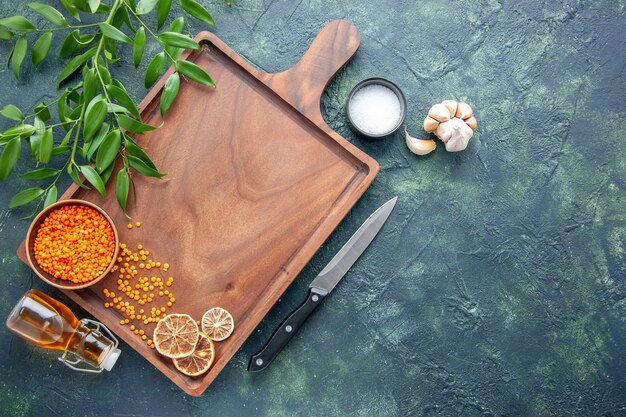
(256, 183)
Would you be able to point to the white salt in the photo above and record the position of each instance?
(375, 109)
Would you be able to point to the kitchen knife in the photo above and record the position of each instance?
(322, 285)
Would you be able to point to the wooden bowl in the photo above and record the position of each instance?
(32, 234)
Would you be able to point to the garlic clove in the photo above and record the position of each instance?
(464, 111)
(459, 135)
(430, 124)
(451, 105)
(419, 146)
(472, 123)
(439, 112)
(444, 131)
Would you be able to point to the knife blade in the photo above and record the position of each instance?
(322, 285)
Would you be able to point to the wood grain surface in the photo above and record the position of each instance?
(256, 183)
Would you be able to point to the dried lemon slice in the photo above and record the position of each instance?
(218, 324)
(176, 336)
(200, 360)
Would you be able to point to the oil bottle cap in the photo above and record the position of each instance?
(111, 358)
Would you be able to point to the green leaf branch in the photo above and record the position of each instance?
(96, 115)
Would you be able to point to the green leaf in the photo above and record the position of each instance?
(100, 96)
(194, 73)
(163, 11)
(25, 197)
(76, 113)
(170, 91)
(74, 175)
(71, 8)
(122, 186)
(104, 73)
(74, 42)
(116, 108)
(110, 50)
(82, 5)
(145, 6)
(94, 117)
(133, 125)
(112, 32)
(60, 150)
(19, 52)
(12, 112)
(108, 150)
(94, 179)
(97, 141)
(70, 44)
(198, 11)
(74, 96)
(121, 17)
(117, 83)
(45, 149)
(106, 174)
(66, 138)
(94, 5)
(40, 174)
(35, 140)
(17, 23)
(154, 69)
(9, 157)
(103, 8)
(121, 96)
(139, 45)
(49, 13)
(176, 26)
(42, 111)
(229, 3)
(141, 167)
(51, 196)
(91, 85)
(42, 47)
(75, 63)
(62, 109)
(178, 40)
(135, 150)
(5, 34)
(10, 55)
(23, 131)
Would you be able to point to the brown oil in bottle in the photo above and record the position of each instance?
(49, 324)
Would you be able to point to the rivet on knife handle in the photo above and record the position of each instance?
(285, 331)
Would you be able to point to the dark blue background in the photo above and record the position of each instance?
(497, 287)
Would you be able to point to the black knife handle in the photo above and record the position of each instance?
(285, 331)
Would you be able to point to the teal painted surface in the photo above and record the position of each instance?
(498, 286)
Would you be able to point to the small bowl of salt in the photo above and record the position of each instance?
(376, 108)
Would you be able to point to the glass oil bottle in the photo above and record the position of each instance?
(48, 323)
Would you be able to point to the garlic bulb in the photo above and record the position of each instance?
(452, 122)
(419, 146)
(455, 133)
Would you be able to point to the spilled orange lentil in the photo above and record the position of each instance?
(139, 287)
(75, 243)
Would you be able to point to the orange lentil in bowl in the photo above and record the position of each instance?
(75, 243)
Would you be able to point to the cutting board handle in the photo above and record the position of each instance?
(303, 84)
